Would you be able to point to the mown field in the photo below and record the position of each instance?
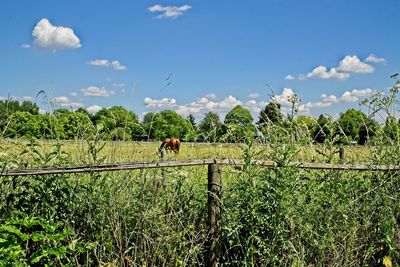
(270, 217)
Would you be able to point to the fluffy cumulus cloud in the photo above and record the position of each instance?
(163, 103)
(375, 59)
(171, 12)
(328, 98)
(93, 108)
(27, 98)
(48, 36)
(347, 97)
(64, 101)
(97, 91)
(354, 95)
(115, 64)
(289, 77)
(352, 64)
(200, 105)
(283, 98)
(322, 72)
(211, 96)
(254, 106)
(254, 95)
(346, 67)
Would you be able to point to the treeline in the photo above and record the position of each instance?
(22, 120)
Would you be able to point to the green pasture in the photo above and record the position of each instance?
(129, 151)
(270, 217)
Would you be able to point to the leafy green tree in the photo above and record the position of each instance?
(391, 129)
(271, 114)
(210, 127)
(22, 124)
(168, 123)
(323, 130)
(367, 131)
(73, 124)
(192, 120)
(239, 115)
(350, 122)
(30, 107)
(239, 125)
(117, 122)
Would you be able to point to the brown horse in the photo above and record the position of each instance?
(171, 144)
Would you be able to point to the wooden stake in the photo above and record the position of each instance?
(214, 214)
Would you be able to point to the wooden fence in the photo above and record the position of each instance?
(214, 183)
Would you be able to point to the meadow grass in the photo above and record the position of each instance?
(270, 217)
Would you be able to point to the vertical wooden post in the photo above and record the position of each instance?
(341, 154)
(164, 178)
(214, 212)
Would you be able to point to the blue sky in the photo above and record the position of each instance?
(198, 56)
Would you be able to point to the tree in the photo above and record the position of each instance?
(210, 127)
(323, 129)
(192, 120)
(271, 114)
(168, 123)
(22, 124)
(117, 122)
(350, 122)
(367, 131)
(239, 115)
(239, 125)
(30, 107)
(391, 129)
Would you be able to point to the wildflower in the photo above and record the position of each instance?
(387, 262)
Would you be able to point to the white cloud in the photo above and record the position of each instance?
(322, 72)
(289, 77)
(254, 95)
(48, 36)
(97, 91)
(347, 66)
(302, 77)
(283, 98)
(169, 11)
(254, 106)
(361, 92)
(73, 94)
(64, 101)
(211, 96)
(25, 46)
(347, 97)
(27, 98)
(94, 108)
(115, 64)
(374, 59)
(352, 64)
(328, 98)
(164, 102)
(354, 95)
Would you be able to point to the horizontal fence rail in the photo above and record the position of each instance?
(186, 163)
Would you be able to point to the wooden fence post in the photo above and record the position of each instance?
(341, 154)
(214, 212)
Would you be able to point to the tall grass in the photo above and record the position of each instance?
(270, 217)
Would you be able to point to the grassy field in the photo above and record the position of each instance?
(270, 217)
(121, 151)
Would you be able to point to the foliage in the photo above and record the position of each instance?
(271, 114)
(31, 241)
(210, 127)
